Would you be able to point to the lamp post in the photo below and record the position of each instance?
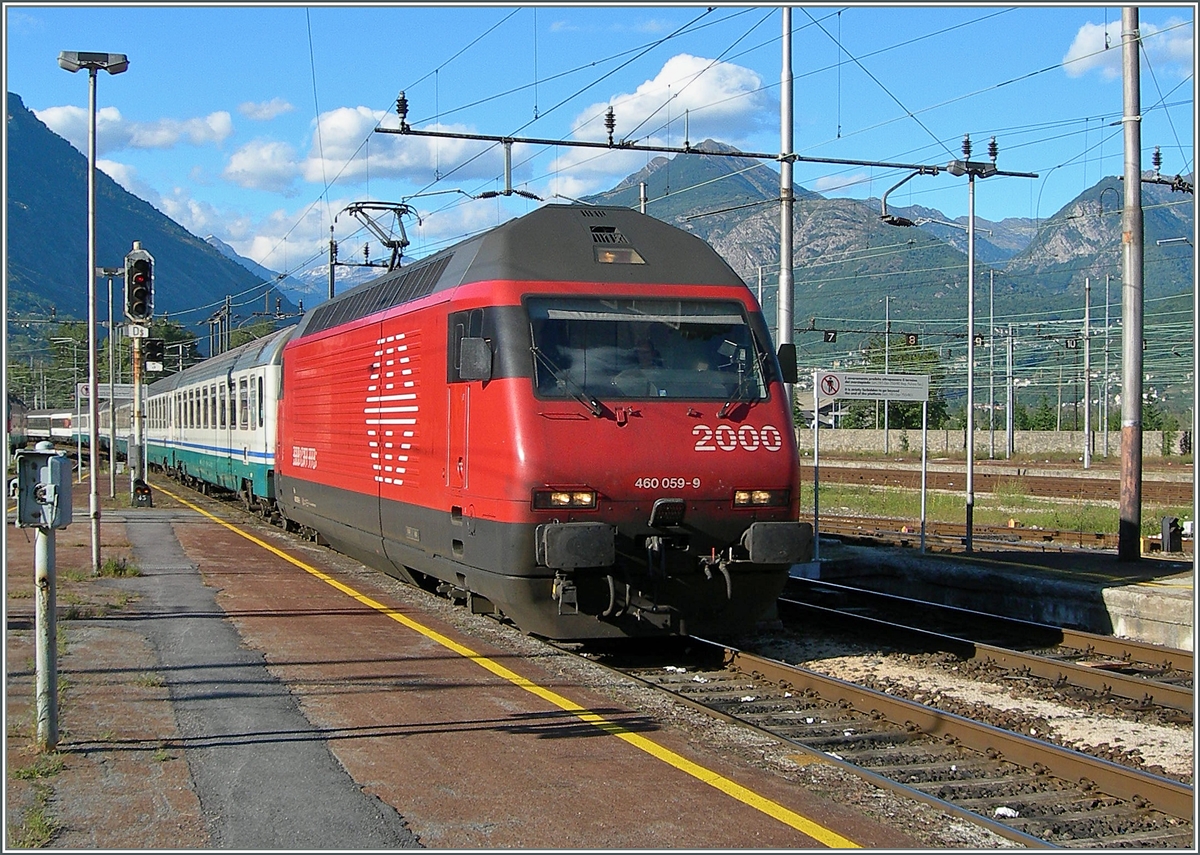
(113, 63)
(110, 272)
(972, 169)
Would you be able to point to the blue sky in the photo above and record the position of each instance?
(255, 123)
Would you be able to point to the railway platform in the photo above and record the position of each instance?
(1150, 600)
(246, 690)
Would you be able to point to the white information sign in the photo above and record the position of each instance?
(121, 391)
(137, 331)
(870, 387)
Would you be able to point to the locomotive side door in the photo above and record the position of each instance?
(456, 441)
(463, 325)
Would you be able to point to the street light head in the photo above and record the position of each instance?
(74, 60)
(896, 220)
(957, 167)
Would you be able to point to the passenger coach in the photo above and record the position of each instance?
(215, 424)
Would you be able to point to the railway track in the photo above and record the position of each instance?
(1031, 791)
(1065, 486)
(1143, 679)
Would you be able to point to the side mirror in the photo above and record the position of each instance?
(474, 359)
(787, 363)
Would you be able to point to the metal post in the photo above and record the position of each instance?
(887, 340)
(112, 416)
(332, 263)
(992, 364)
(1010, 405)
(642, 200)
(786, 298)
(924, 464)
(46, 642)
(1105, 407)
(134, 457)
(1129, 546)
(970, 360)
(93, 403)
(816, 471)
(1087, 373)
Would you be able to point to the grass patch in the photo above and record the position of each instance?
(20, 594)
(43, 766)
(162, 755)
(995, 509)
(118, 568)
(76, 576)
(37, 827)
(149, 681)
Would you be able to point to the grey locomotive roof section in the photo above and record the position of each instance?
(555, 243)
(267, 350)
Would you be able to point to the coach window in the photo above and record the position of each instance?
(243, 405)
(204, 407)
(253, 402)
(262, 394)
(212, 406)
(221, 407)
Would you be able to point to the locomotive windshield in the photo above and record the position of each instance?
(639, 349)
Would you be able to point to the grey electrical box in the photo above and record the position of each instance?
(43, 488)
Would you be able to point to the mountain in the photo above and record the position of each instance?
(46, 219)
(846, 260)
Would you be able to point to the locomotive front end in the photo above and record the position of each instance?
(662, 466)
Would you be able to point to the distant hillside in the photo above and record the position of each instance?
(46, 219)
(847, 260)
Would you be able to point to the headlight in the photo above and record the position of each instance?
(549, 500)
(760, 498)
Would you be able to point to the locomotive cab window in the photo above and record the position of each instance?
(641, 349)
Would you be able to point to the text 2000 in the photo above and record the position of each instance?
(729, 438)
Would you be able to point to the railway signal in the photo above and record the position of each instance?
(154, 351)
(139, 284)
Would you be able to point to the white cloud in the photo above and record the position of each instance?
(1169, 48)
(114, 133)
(838, 183)
(264, 165)
(124, 175)
(347, 147)
(266, 110)
(722, 102)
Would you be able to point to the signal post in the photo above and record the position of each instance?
(139, 309)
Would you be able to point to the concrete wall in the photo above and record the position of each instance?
(953, 442)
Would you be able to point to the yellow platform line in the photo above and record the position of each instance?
(713, 779)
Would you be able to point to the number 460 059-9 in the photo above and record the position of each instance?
(667, 483)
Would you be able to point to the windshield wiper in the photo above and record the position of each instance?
(734, 398)
(575, 390)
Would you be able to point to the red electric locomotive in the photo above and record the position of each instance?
(574, 420)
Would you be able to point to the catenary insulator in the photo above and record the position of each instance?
(610, 122)
(402, 110)
(966, 147)
(993, 149)
(1157, 159)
